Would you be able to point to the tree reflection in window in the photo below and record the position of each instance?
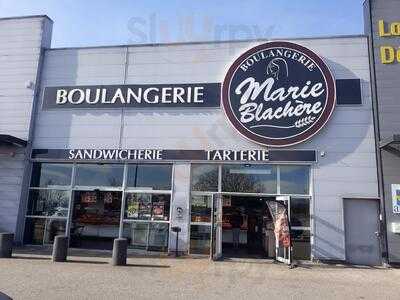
(249, 179)
(205, 178)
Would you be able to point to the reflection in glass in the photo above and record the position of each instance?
(48, 175)
(150, 176)
(300, 212)
(151, 236)
(43, 231)
(53, 203)
(136, 234)
(205, 178)
(295, 180)
(158, 237)
(249, 179)
(201, 209)
(147, 207)
(301, 244)
(200, 237)
(99, 175)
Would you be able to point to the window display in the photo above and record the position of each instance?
(153, 207)
(201, 209)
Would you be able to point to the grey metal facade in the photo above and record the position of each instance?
(347, 168)
(387, 106)
(22, 41)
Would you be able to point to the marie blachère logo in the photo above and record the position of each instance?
(278, 94)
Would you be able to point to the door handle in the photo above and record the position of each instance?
(377, 233)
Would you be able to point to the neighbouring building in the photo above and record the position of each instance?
(382, 24)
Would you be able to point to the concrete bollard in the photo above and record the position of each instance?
(6, 245)
(60, 248)
(120, 252)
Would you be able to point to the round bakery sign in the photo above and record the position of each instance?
(278, 94)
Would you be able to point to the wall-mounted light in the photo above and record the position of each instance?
(29, 84)
(322, 153)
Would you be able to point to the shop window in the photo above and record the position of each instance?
(201, 209)
(42, 231)
(149, 177)
(295, 180)
(158, 237)
(48, 202)
(52, 203)
(96, 219)
(200, 239)
(98, 207)
(200, 226)
(153, 207)
(204, 178)
(301, 244)
(151, 236)
(51, 175)
(300, 212)
(249, 179)
(99, 175)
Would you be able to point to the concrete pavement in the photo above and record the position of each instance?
(29, 276)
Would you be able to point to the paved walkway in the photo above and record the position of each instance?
(29, 276)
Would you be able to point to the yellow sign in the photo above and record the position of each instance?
(392, 29)
(389, 54)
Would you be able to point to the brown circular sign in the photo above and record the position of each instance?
(278, 94)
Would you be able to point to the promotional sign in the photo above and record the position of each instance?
(396, 198)
(278, 94)
(138, 96)
(389, 54)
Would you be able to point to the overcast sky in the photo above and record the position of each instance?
(101, 22)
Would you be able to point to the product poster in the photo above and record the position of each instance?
(158, 210)
(396, 198)
(133, 210)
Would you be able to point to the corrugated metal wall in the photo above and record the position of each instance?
(388, 100)
(21, 41)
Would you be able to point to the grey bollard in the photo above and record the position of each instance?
(6, 245)
(120, 252)
(60, 248)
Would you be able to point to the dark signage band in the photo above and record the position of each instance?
(179, 155)
(204, 95)
(138, 96)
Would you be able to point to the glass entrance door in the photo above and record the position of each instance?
(216, 240)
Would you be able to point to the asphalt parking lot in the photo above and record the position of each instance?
(35, 276)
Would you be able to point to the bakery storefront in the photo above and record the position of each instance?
(250, 148)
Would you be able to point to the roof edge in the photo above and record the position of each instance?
(27, 17)
(213, 42)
